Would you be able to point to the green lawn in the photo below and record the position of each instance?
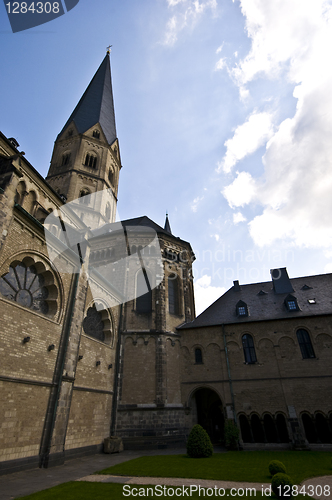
(249, 466)
(101, 491)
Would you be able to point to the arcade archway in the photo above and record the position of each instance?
(209, 413)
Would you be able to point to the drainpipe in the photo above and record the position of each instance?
(229, 373)
(48, 434)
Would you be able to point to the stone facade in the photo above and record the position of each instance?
(270, 369)
(85, 354)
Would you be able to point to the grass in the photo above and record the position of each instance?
(101, 491)
(251, 466)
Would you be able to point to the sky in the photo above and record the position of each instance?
(224, 119)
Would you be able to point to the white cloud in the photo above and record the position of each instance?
(242, 190)
(328, 268)
(195, 203)
(290, 40)
(220, 64)
(205, 294)
(187, 14)
(247, 138)
(238, 217)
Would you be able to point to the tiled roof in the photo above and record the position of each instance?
(265, 304)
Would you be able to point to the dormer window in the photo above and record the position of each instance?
(242, 309)
(96, 134)
(90, 160)
(291, 303)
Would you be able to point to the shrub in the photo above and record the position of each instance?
(199, 444)
(231, 435)
(275, 466)
(280, 484)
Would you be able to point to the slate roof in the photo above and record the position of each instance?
(96, 105)
(265, 304)
(167, 225)
(143, 221)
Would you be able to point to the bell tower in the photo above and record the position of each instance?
(86, 156)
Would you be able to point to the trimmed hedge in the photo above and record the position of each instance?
(199, 444)
(280, 483)
(276, 466)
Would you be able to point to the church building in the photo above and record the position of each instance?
(99, 336)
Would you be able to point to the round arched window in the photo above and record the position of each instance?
(93, 324)
(30, 287)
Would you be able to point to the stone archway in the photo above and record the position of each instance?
(209, 413)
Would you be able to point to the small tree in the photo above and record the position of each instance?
(199, 444)
(231, 435)
(276, 466)
(282, 485)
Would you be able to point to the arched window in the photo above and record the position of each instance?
(20, 193)
(309, 428)
(143, 294)
(270, 429)
(282, 428)
(173, 294)
(30, 288)
(305, 344)
(96, 134)
(29, 203)
(108, 211)
(90, 160)
(93, 324)
(198, 356)
(84, 198)
(65, 159)
(257, 429)
(249, 349)
(245, 429)
(111, 176)
(322, 426)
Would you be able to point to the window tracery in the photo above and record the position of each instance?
(30, 287)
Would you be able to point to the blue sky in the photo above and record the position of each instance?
(224, 116)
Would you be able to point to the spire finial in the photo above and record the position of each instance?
(108, 49)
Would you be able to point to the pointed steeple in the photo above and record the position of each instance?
(167, 226)
(96, 105)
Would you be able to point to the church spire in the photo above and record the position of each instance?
(167, 226)
(96, 105)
